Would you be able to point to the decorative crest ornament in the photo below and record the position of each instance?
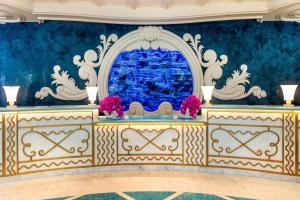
(66, 87)
(234, 87)
(150, 37)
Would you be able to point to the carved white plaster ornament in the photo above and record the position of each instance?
(7, 17)
(290, 15)
(234, 87)
(136, 108)
(150, 37)
(66, 87)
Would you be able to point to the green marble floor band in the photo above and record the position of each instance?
(151, 195)
(240, 198)
(61, 198)
(101, 196)
(197, 196)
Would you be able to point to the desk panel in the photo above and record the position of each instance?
(253, 140)
(150, 143)
(49, 140)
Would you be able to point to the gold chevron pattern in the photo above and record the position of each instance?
(194, 145)
(245, 118)
(289, 157)
(106, 145)
(11, 144)
(244, 164)
(56, 164)
(148, 158)
(55, 118)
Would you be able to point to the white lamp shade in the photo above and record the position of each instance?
(92, 93)
(288, 91)
(11, 93)
(207, 92)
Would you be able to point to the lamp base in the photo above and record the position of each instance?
(288, 103)
(207, 102)
(92, 103)
(11, 107)
(11, 104)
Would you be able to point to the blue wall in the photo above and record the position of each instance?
(29, 51)
(151, 77)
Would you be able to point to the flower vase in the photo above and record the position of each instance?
(112, 116)
(186, 116)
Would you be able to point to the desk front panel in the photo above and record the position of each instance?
(259, 141)
(43, 141)
(252, 140)
(150, 144)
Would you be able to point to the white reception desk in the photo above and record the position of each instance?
(259, 139)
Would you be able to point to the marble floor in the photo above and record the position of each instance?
(73, 186)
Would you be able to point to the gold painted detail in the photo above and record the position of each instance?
(227, 142)
(39, 144)
(54, 158)
(47, 146)
(150, 158)
(259, 146)
(245, 118)
(106, 145)
(55, 118)
(240, 163)
(11, 144)
(194, 141)
(56, 164)
(297, 144)
(136, 145)
(164, 140)
(3, 145)
(289, 148)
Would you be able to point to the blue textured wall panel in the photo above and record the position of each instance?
(28, 52)
(151, 77)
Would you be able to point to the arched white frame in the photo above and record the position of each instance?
(149, 37)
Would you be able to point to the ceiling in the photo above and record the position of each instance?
(148, 11)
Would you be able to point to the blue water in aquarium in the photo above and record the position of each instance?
(151, 77)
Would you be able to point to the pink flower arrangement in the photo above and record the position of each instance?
(112, 104)
(191, 104)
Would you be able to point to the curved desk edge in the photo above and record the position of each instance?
(251, 140)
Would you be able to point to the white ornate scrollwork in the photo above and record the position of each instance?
(54, 140)
(161, 141)
(136, 108)
(9, 17)
(234, 87)
(66, 87)
(150, 37)
(221, 136)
